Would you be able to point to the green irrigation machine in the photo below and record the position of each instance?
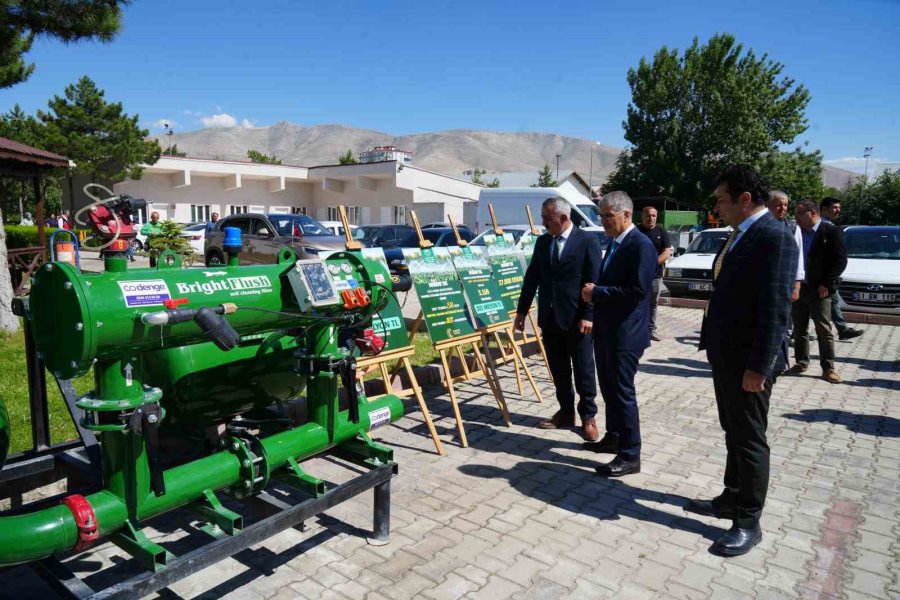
(212, 386)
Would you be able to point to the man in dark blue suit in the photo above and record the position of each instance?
(564, 259)
(744, 335)
(621, 301)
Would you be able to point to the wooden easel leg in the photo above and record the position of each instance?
(540, 344)
(412, 335)
(467, 374)
(417, 391)
(521, 359)
(386, 378)
(490, 376)
(506, 359)
(449, 378)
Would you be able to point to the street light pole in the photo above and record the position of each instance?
(557, 167)
(866, 153)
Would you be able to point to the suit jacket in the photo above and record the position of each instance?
(748, 313)
(827, 257)
(560, 285)
(622, 295)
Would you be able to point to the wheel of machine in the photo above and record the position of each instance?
(214, 257)
(136, 245)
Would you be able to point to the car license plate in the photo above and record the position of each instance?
(700, 287)
(872, 297)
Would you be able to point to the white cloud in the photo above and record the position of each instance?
(161, 123)
(247, 123)
(219, 120)
(855, 163)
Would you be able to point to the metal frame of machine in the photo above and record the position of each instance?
(138, 356)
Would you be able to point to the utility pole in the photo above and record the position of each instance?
(591, 174)
(557, 167)
(169, 133)
(866, 154)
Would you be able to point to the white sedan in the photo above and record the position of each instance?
(196, 236)
(871, 281)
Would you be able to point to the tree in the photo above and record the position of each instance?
(875, 203)
(173, 151)
(797, 173)
(348, 158)
(104, 142)
(545, 178)
(21, 22)
(258, 157)
(476, 178)
(691, 116)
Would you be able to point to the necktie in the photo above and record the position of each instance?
(721, 258)
(555, 256)
(609, 253)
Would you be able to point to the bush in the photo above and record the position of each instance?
(18, 236)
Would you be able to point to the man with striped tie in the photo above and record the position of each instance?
(743, 334)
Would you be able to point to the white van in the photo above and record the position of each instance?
(509, 206)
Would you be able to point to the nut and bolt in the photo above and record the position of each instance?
(79, 326)
(68, 285)
(152, 418)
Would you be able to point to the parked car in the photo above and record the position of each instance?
(690, 272)
(337, 228)
(385, 235)
(439, 236)
(871, 281)
(196, 236)
(264, 235)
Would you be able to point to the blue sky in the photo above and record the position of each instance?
(504, 66)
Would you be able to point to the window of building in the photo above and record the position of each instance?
(400, 215)
(353, 215)
(298, 210)
(236, 210)
(333, 214)
(199, 213)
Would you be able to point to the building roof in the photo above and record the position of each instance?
(23, 153)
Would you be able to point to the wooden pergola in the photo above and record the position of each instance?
(20, 161)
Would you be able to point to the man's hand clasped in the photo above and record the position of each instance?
(586, 292)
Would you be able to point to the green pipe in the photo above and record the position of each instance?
(37, 535)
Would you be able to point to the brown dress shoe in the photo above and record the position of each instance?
(589, 430)
(557, 421)
(831, 376)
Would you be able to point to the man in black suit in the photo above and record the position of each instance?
(621, 301)
(744, 337)
(825, 257)
(565, 258)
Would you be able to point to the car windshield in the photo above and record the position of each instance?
(592, 213)
(708, 243)
(877, 243)
(297, 225)
(197, 227)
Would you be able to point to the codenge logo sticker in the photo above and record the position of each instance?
(149, 292)
(234, 286)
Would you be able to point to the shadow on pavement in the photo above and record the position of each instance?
(875, 425)
(569, 482)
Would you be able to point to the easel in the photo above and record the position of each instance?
(401, 355)
(456, 344)
(534, 328)
(496, 328)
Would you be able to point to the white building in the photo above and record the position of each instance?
(383, 153)
(189, 189)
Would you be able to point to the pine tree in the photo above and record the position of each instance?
(258, 157)
(348, 158)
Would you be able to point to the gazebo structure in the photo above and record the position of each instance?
(21, 161)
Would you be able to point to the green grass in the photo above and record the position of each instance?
(14, 394)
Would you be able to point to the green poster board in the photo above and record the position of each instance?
(439, 291)
(526, 243)
(388, 322)
(482, 292)
(506, 266)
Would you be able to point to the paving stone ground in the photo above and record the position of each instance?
(521, 514)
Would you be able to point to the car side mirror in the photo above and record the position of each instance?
(264, 231)
(679, 251)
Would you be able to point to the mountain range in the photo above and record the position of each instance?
(451, 152)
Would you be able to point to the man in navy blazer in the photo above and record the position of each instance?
(564, 259)
(621, 301)
(744, 335)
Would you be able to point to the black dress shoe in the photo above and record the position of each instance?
(618, 467)
(608, 445)
(737, 541)
(709, 509)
